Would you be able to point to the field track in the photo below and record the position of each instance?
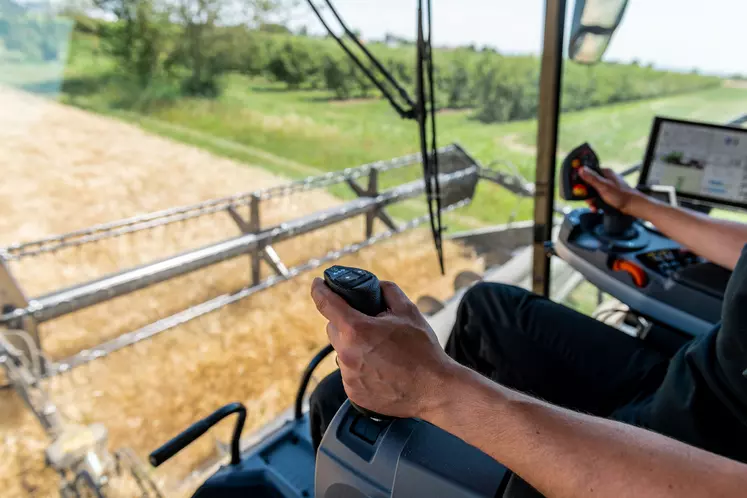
(64, 169)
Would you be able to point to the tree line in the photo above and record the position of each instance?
(497, 87)
(183, 48)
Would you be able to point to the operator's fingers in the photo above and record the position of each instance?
(333, 333)
(395, 298)
(609, 174)
(333, 307)
(348, 352)
(592, 178)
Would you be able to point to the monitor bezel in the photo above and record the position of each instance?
(648, 159)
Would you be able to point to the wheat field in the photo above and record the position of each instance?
(64, 169)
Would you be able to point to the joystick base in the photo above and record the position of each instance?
(618, 226)
(632, 239)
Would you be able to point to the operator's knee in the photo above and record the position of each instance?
(492, 295)
(324, 403)
(490, 305)
(487, 314)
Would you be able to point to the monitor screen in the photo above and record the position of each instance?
(703, 162)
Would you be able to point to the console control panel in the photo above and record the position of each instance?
(648, 272)
(638, 265)
(667, 262)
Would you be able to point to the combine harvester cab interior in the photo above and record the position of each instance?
(651, 279)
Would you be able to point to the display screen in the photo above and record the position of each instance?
(701, 161)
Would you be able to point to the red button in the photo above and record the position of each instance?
(580, 190)
(638, 274)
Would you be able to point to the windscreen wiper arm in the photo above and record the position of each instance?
(422, 108)
(406, 113)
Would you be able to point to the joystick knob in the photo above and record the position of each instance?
(572, 186)
(615, 225)
(362, 291)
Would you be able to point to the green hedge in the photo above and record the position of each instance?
(499, 88)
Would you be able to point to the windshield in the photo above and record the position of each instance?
(233, 119)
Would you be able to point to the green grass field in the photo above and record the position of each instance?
(297, 133)
(301, 133)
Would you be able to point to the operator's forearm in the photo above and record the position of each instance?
(567, 454)
(719, 241)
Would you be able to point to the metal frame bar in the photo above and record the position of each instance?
(267, 254)
(223, 300)
(512, 183)
(459, 183)
(25, 382)
(183, 213)
(372, 191)
(71, 299)
(13, 297)
(547, 140)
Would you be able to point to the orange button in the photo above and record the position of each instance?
(576, 163)
(638, 274)
(580, 190)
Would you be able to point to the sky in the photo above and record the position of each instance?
(707, 35)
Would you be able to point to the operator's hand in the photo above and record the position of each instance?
(612, 188)
(391, 364)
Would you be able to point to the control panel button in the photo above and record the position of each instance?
(576, 163)
(667, 261)
(638, 274)
(348, 276)
(580, 191)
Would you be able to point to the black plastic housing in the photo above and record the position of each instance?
(580, 157)
(359, 288)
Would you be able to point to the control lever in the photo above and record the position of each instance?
(361, 290)
(574, 188)
(185, 438)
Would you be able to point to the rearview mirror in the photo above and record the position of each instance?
(594, 22)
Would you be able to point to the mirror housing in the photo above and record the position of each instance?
(594, 22)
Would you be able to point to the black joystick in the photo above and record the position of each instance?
(615, 225)
(361, 290)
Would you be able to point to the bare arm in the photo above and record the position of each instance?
(559, 452)
(562, 453)
(719, 241)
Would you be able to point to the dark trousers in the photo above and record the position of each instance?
(536, 346)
